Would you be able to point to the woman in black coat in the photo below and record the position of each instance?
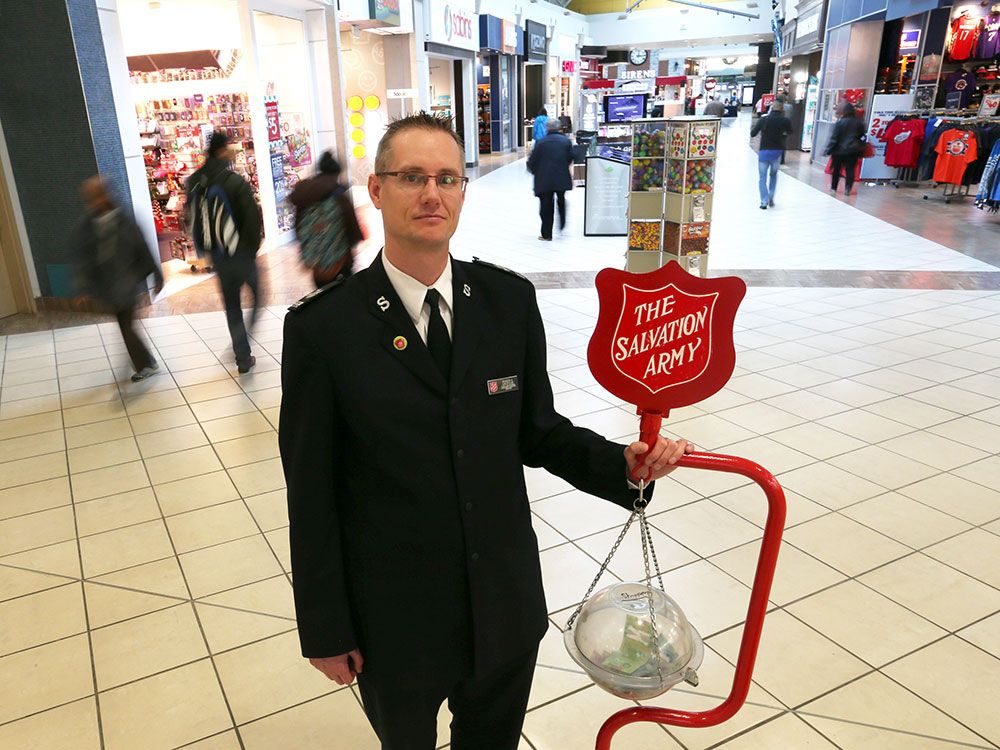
(847, 145)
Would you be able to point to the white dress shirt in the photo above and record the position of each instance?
(412, 293)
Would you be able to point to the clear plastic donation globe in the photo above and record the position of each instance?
(612, 640)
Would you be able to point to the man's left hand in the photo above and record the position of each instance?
(662, 458)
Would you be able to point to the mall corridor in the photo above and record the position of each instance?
(145, 592)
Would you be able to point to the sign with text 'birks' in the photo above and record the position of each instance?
(454, 23)
(664, 339)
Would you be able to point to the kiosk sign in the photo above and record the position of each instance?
(664, 339)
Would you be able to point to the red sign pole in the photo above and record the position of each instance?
(664, 340)
(759, 594)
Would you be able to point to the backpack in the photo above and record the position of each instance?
(213, 226)
(323, 234)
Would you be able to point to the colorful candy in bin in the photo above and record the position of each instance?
(647, 174)
(644, 235)
(674, 181)
(700, 176)
(648, 143)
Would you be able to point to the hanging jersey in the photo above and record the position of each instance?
(903, 139)
(962, 82)
(956, 149)
(964, 35)
(989, 38)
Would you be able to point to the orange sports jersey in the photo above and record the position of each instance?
(964, 35)
(956, 149)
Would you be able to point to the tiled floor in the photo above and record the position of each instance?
(145, 598)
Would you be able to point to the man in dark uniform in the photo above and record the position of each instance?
(413, 394)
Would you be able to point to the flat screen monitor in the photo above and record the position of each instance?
(622, 107)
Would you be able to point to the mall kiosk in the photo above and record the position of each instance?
(672, 184)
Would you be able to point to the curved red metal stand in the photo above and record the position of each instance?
(766, 563)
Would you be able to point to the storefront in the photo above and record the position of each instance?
(501, 42)
(968, 72)
(536, 51)
(196, 70)
(452, 32)
(797, 74)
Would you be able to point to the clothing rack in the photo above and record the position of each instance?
(950, 192)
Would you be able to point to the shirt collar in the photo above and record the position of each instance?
(412, 292)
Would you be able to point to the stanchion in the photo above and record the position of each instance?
(759, 594)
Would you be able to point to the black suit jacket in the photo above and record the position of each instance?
(550, 162)
(411, 536)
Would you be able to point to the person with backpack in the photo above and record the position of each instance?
(226, 225)
(325, 223)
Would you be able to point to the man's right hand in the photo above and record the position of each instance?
(341, 669)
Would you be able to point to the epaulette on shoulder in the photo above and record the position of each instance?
(495, 267)
(316, 294)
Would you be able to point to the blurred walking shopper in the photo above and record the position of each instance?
(715, 108)
(111, 262)
(540, 129)
(773, 128)
(226, 224)
(326, 224)
(847, 145)
(550, 162)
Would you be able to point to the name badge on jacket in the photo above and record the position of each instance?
(501, 385)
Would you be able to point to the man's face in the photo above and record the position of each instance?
(426, 216)
(95, 195)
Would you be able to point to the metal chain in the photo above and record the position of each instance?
(638, 512)
(603, 568)
(644, 530)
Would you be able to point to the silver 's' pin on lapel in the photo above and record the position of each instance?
(466, 291)
(383, 303)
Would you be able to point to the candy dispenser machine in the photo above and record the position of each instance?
(672, 188)
(689, 185)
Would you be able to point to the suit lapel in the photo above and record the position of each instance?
(469, 323)
(385, 305)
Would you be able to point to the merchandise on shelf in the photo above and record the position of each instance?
(644, 235)
(173, 133)
(647, 174)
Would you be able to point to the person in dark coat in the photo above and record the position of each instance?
(847, 145)
(774, 128)
(413, 394)
(550, 163)
(327, 184)
(111, 263)
(238, 268)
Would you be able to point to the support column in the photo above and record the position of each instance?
(60, 124)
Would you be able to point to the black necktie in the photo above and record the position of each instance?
(438, 340)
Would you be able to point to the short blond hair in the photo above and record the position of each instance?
(419, 121)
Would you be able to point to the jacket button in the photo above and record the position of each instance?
(460, 453)
(475, 556)
(468, 506)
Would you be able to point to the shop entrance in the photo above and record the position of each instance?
(200, 66)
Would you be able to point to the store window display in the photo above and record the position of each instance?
(287, 106)
(174, 131)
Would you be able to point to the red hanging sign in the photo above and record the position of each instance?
(273, 123)
(663, 339)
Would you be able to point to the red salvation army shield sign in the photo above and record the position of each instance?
(664, 339)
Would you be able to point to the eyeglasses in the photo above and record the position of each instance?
(415, 181)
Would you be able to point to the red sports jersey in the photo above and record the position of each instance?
(903, 139)
(964, 35)
(956, 150)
